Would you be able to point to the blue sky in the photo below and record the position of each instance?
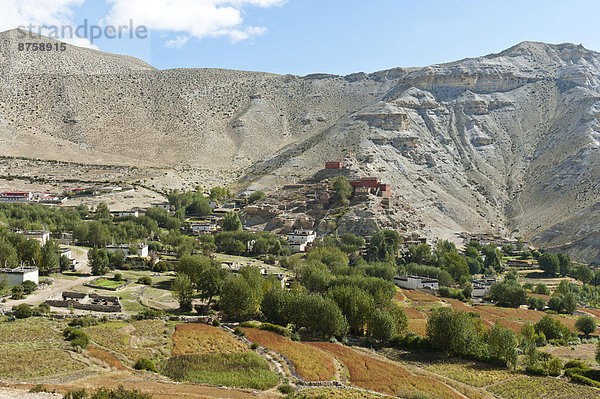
(308, 36)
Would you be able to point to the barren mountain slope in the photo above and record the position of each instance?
(507, 142)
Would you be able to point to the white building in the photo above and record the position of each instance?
(203, 227)
(142, 249)
(164, 205)
(416, 282)
(65, 251)
(133, 212)
(18, 275)
(482, 287)
(298, 247)
(16, 196)
(302, 237)
(42, 236)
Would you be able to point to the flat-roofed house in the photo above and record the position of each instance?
(416, 282)
(40, 235)
(18, 275)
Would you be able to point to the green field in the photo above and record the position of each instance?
(242, 370)
(108, 283)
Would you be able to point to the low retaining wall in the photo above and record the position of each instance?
(83, 306)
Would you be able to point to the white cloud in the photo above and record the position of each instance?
(190, 18)
(40, 16)
(178, 42)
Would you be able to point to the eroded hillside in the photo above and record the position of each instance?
(503, 143)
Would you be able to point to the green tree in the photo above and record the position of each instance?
(29, 252)
(569, 303)
(256, 196)
(238, 299)
(356, 305)
(584, 273)
(384, 245)
(399, 317)
(102, 212)
(50, 260)
(454, 264)
(8, 254)
(231, 222)
(492, 257)
(536, 303)
(454, 333)
(316, 277)
(381, 326)
(183, 290)
(508, 292)
(502, 344)
(98, 261)
(552, 328)
(564, 263)
(549, 263)
(542, 288)
(343, 189)
(585, 324)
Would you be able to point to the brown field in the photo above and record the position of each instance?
(419, 296)
(310, 363)
(458, 305)
(399, 297)
(106, 357)
(338, 393)
(544, 297)
(417, 326)
(593, 312)
(197, 339)
(370, 373)
(24, 364)
(413, 313)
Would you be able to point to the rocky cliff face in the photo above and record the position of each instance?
(506, 143)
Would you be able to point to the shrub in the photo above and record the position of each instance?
(150, 314)
(17, 292)
(83, 322)
(145, 364)
(118, 277)
(146, 280)
(574, 364)
(571, 371)
(43, 308)
(77, 337)
(579, 379)
(555, 366)
(536, 369)
(254, 346)
(216, 323)
(239, 332)
(29, 287)
(22, 311)
(276, 329)
(586, 324)
(286, 389)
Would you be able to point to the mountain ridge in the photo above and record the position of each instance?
(505, 143)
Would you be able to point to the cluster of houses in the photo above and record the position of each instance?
(481, 287)
(29, 196)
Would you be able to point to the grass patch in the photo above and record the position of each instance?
(24, 364)
(547, 388)
(310, 363)
(241, 370)
(197, 339)
(107, 283)
(471, 373)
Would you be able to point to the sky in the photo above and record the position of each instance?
(309, 36)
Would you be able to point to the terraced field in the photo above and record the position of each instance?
(130, 341)
(547, 388)
(198, 339)
(34, 347)
(310, 363)
(206, 354)
(371, 373)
